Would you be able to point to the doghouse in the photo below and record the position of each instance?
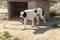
(16, 6)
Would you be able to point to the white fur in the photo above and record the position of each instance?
(31, 14)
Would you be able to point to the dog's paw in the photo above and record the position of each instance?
(44, 21)
(36, 24)
(32, 26)
(23, 28)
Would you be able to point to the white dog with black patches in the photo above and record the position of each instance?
(30, 14)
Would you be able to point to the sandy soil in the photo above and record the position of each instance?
(42, 32)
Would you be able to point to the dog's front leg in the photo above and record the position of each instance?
(25, 22)
(33, 22)
(37, 20)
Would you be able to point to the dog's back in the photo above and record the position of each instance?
(30, 14)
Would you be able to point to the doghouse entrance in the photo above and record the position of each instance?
(17, 7)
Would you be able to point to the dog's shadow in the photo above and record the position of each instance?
(41, 30)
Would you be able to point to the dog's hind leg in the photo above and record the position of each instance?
(42, 17)
(37, 20)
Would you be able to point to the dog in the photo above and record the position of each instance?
(30, 14)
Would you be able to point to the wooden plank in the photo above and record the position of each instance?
(17, 0)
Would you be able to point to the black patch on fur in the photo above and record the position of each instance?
(35, 11)
(25, 14)
(43, 12)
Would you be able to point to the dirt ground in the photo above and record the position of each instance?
(41, 32)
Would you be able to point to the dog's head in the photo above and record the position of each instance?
(23, 15)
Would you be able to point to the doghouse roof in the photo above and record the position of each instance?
(24, 0)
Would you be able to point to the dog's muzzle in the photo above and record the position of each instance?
(21, 18)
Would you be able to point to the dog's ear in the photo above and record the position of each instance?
(25, 14)
(35, 11)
